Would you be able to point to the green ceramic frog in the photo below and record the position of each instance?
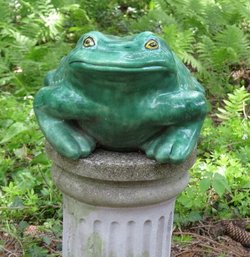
(122, 94)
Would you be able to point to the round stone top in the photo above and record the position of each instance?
(119, 166)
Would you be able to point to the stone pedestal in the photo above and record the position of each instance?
(118, 204)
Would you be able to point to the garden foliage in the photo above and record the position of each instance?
(211, 36)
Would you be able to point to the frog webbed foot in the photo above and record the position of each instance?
(66, 138)
(174, 145)
(77, 145)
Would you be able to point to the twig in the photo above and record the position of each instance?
(209, 240)
(8, 252)
(192, 250)
(211, 248)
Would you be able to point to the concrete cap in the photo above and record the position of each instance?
(119, 166)
(116, 179)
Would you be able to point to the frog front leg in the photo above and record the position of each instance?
(56, 111)
(181, 117)
(175, 143)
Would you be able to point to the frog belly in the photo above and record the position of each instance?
(118, 137)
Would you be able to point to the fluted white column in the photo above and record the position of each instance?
(118, 204)
(117, 232)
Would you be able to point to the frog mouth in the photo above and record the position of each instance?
(105, 67)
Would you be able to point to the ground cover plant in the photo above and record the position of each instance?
(211, 37)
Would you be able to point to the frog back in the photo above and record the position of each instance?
(185, 79)
(57, 76)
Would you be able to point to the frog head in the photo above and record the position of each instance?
(127, 60)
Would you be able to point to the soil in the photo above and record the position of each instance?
(209, 239)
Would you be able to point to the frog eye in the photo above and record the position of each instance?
(88, 42)
(151, 44)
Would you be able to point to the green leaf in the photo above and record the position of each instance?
(46, 240)
(14, 130)
(17, 203)
(36, 251)
(194, 216)
(205, 184)
(21, 152)
(22, 226)
(40, 159)
(219, 184)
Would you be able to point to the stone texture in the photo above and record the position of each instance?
(119, 166)
(118, 204)
(119, 179)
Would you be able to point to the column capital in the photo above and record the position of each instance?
(119, 179)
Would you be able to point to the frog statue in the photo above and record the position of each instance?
(122, 94)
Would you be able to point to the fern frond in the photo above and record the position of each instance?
(167, 5)
(231, 46)
(154, 21)
(179, 41)
(5, 13)
(189, 59)
(205, 49)
(47, 21)
(236, 43)
(19, 44)
(235, 11)
(160, 4)
(235, 105)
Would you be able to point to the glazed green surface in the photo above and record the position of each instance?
(122, 94)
